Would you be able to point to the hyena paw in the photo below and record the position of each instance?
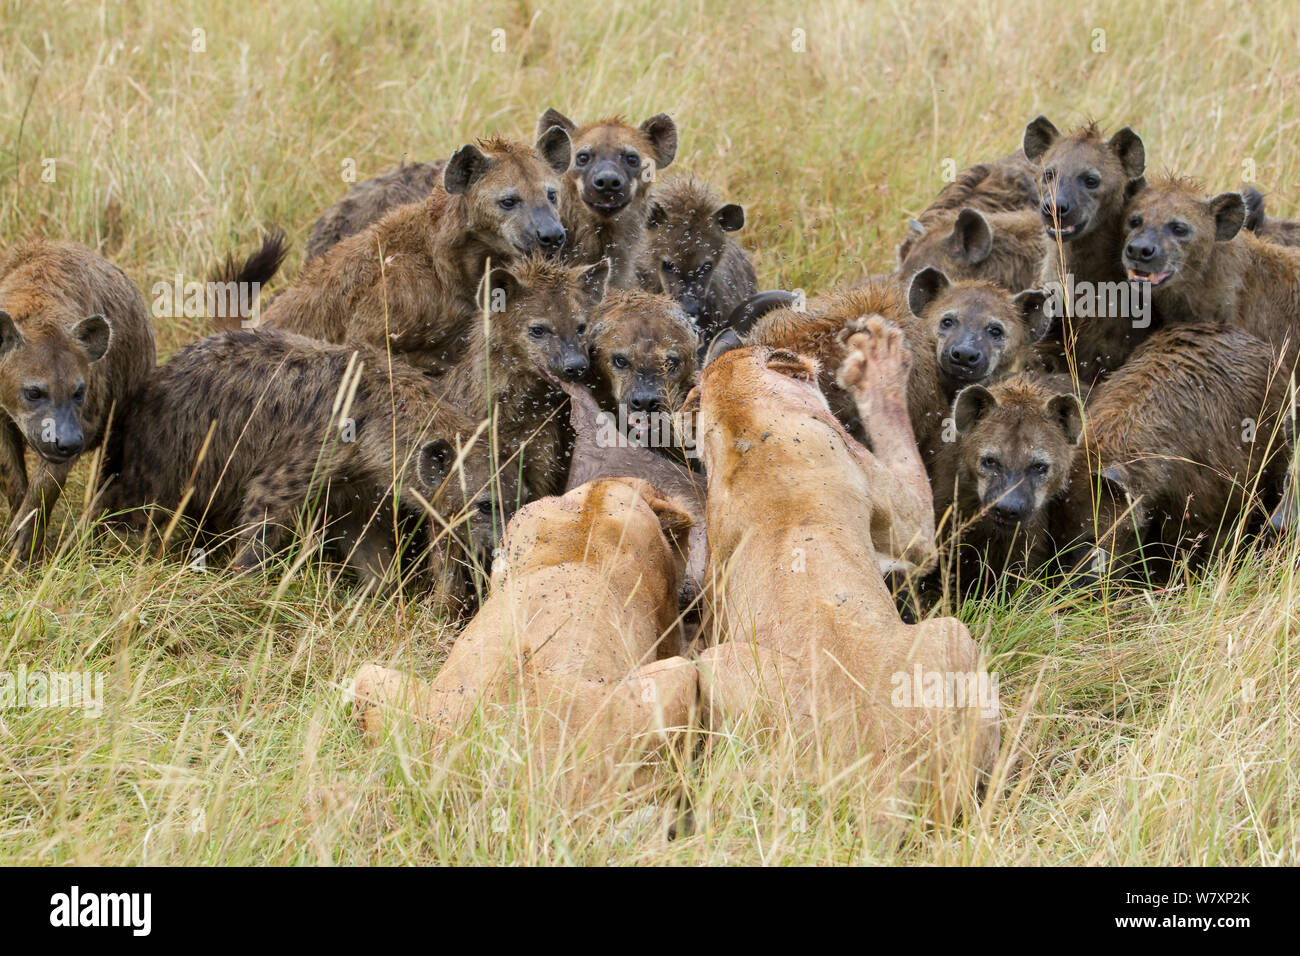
(876, 357)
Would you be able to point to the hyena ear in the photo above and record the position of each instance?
(1254, 200)
(1031, 304)
(656, 217)
(1229, 213)
(971, 404)
(1134, 187)
(1127, 145)
(662, 133)
(914, 226)
(501, 286)
(724, 341)
(93, 334)
(466, 166)
(595, 279)
(801, 368)
(972, 237)
(730, 217)
(674, 520)
(1067, 411)
(553, 117)
(556, 148)
(1040, 134)
(436, 459)
(10, 337)
(926, 286)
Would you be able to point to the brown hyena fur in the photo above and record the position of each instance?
(1008, 184)
(369, 201)
(1012, 458)
(691, 257)
(409, 281)
(538, 335)
(607, 188)
(243, 429)
(1085, 179)
(1202, 268)
(1179, 443)
(979, 332)
(1004, 248)
(1285, 232)
(76, 344)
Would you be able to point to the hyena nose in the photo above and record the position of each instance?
(607, 181)
(1141, 251)
(1005, 512)
(644, 401)
(964, 355)
(575, 366)
(551, 237)
(67, 447)
(1061, 207)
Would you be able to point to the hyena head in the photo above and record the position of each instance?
(980, 331)
(615, 163)
(43, 382)
(512, 192)
(545, 311)
(687, 235)
(1016, 446)
(1170, 231)
(1084, 179)
(643, 348)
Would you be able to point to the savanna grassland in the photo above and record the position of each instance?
(1140, 727)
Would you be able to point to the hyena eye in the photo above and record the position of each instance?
(79, 395)
(552, 196)
(582, 159)
(508, 202)
(673, 363)
(633, 161)
(33, 393)
(668, 267)
(582, 328)
(484, 506)
(995, 331)
(1179, 229)
(1049, 175)
(1091, 181)
(1039, 469)
(989, 463)
(536, 331)
(1134, 221)
(620, 361)
(947, 322)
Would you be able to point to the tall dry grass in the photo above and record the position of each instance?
(1149, 728)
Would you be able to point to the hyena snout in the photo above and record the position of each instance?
(573, 362)
(548, 234)
(647, 395)
(58, 437)
(965, 359)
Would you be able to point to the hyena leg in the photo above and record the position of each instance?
(27, 524)
(273, 498)
(13, 466)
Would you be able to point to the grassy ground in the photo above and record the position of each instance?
(1148, 728)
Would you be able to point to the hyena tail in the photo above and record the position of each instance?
(1254, 208)
(254, 272)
